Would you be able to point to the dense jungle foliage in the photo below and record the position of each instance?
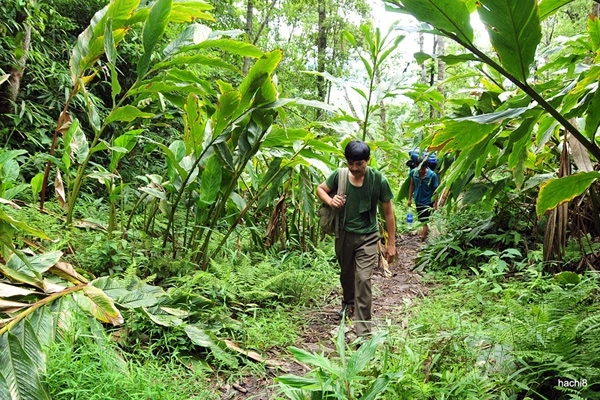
(158, 227)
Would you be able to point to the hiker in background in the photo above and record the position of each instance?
(423, 183)
(356, 246)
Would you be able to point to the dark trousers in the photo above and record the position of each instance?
(358, 256)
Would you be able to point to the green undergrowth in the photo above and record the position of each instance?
(532, 336)
(87, 364)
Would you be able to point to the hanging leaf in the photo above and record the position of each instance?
(558, 191)
(154, 27)
(592, 120)
(515, 32)
(593, 24)
(59, 190)
(447, 15)
(550, 7)
(228, 104)
(81, 49)
(211, 182)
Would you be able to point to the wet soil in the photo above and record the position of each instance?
(393, 290)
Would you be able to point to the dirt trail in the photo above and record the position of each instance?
(390, 293)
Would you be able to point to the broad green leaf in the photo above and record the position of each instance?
(285, 137)
(550, 7)
(211, 182)
(120, 11)
(127, 113)
(299, 382)
(592, 120)
(22, 225)
(194, 124)
(558, 191)
(6, 155)
(449, 59)
(379, 385)
(19, 369)
(36, 183)
(365, 354)
(449, 16)
(462, 134)
(172, 160)
(520, 141)
(310, 103)
(164, 319)
(111, 55)
(195, 59)
(593, 25)
(133, 294)
(496, 117)
(193, 34)
(515, 32)
(102, 307)
(127, 141)
(199, 337)
(257, 75)
(154, 27)
(230, 46)
(189, 11)
(316, 360)
(10, 171)
(158, 87)
(228, 104)
(81, 49)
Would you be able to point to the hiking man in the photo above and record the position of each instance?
(423, 183)
(357, 245)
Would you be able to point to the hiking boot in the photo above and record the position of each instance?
(346, 311)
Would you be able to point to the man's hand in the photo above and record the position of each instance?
(337, 201)
(390, 253)
(409, 203)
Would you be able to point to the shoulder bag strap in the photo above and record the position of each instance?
(342, 179)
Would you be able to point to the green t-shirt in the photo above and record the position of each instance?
(359, 214)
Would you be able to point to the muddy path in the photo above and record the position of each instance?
(392, 290)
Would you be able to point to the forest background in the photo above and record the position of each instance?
(158, 221)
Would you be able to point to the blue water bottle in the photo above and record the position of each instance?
(409, 219)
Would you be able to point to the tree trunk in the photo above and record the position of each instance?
(382, 113)
(596, 9)
(249, 18)
(11, 90)
(423, 70)
(441, 50)
(321, 51)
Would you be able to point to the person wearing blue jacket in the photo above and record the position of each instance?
(423, 183)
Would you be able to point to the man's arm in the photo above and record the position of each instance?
(323, 191)
(390, 223)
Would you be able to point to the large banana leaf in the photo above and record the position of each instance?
(515, 31)
(21, 361)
